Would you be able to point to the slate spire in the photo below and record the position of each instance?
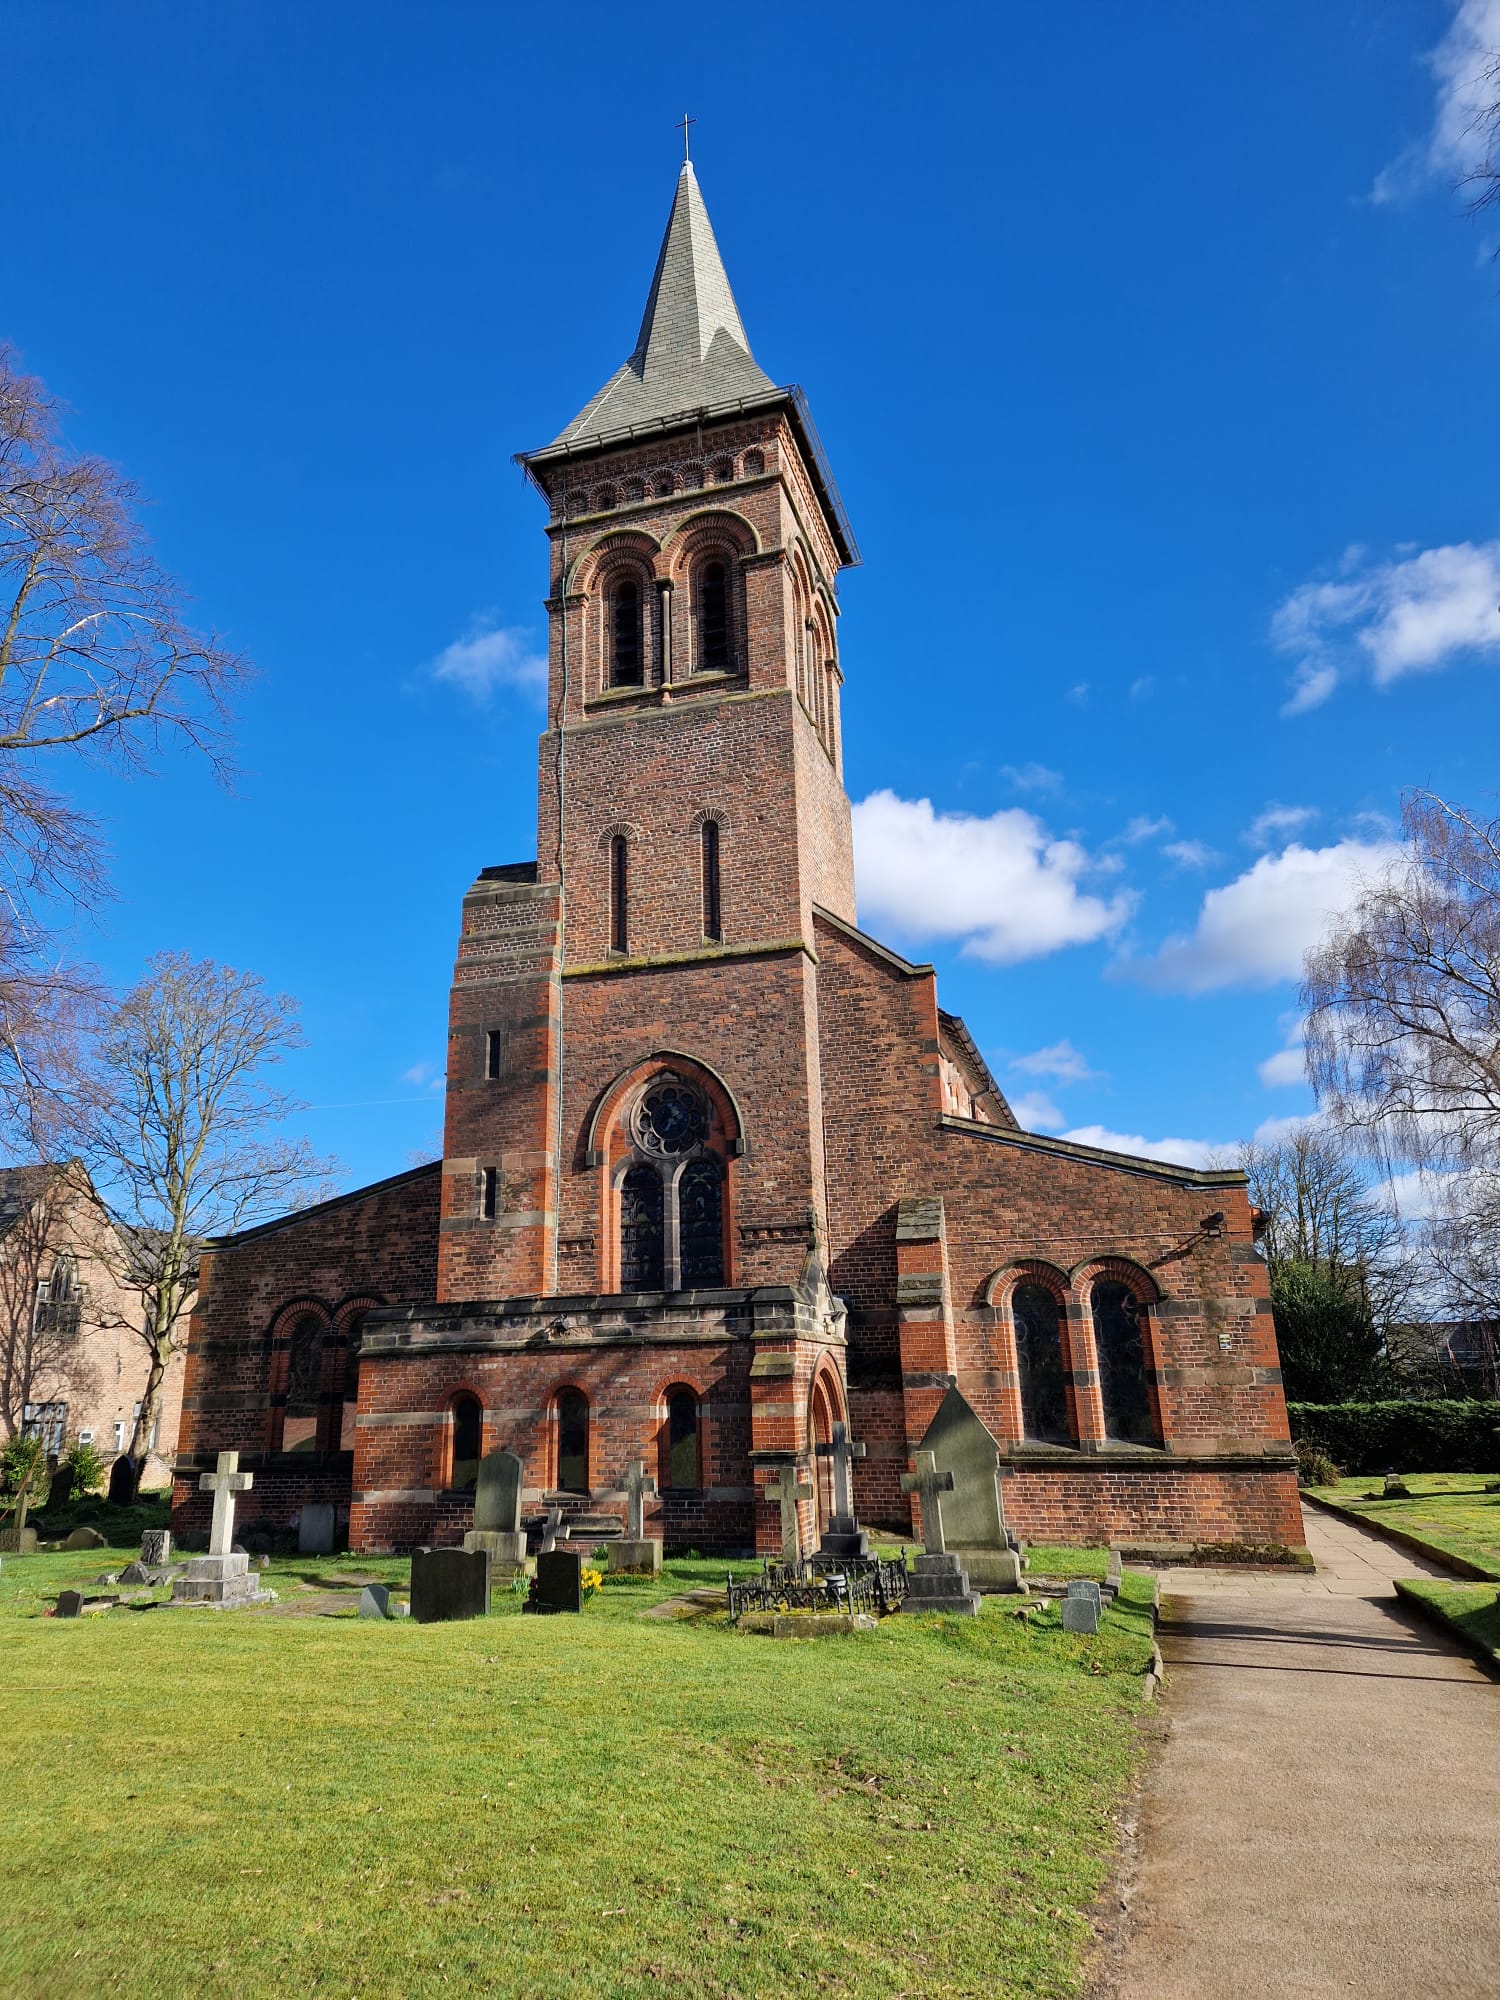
(691, 352)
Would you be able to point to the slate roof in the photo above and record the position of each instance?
(691, 353)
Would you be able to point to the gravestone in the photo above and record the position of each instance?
(1395, 1488)
(939, 1581)
(974, 1519)
(558, 1585)
(1115, 1573)
(374, 1601)
(497, 1513)
(550, 1528)
(122, 1482)
(18, 1541)
(448, 1584)
(315, 1529)
(635, 1550)
(787, 1489)
(135, 1573)
(85, 1538)
(221, 1578)
(843, 1536)
(1081, 1606)
(69, 1603)
(156, 1547)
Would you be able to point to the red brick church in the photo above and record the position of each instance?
(718, 1170)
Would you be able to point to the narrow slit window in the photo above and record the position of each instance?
(488, 1193)
(625, 618)
(493, 1048)
(714, 650)
(713, 918)
(619, 893)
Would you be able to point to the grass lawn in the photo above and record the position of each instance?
(1448, 1510)
(1474, 1608)
(247, 1803)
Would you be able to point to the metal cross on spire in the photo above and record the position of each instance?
(684, 121)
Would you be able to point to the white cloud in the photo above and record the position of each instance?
(1139, 689)
(1143, 827)
(490, 657)
(1462, 134)
(1270, 828)
(1031, 777)
(1191, 853)
(1060, 1060)
(1255, 930)
(1003, 884)
(1417, 613)
(1035, 1112)
(424, 1073)
(1178, 1152)
(1079, 695)
(1288, 1067)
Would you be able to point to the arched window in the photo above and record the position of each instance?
(572, 1442)
(354, 1340)
(700, 1224)
(713, 916)
(682, 1467)
(1123, 1387)
(619, 893)
(641, 1266)
(304, 1371)
(715, 652)
(59, 1299)
(1037, 1319)
(468, 1431)
(754, 464)
(627, 653)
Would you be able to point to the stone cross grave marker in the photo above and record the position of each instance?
(549, 1532)
(929, 1484)
(224, 1484)
(788, 1490)
(638, 1490)
(843, 1451)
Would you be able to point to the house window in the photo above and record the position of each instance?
(682, 1468)
(119, 1434)
(714, 649)
(627, 663)
(573, 1442)
(619, 893)
(47, 1421)
(1037, 1319)
(135, 1417)
(494, 1046)
(1123, 1385)
(489, 1193)
(468, 1429)
(713, 919)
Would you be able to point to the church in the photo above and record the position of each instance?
(719, 1172)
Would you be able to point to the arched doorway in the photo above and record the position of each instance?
(822, 1414)
(572, 1442)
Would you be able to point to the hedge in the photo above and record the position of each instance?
(1440, 1436)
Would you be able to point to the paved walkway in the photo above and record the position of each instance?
(1324, 1817)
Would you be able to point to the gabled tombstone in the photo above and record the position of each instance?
(497, 1513)
(973, 1515)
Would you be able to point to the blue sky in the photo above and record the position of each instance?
(1154, 356)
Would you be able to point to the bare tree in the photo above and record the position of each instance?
(1321, 1210)
(181, 1137)
(1482, 180)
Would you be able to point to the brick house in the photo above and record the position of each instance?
(718, 1170)
(73, 1363)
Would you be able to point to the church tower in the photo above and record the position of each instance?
(691, 818)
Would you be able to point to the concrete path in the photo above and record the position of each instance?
(1324, 1816)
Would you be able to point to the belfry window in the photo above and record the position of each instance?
(715, 653)
(619, 893)
(713, 916)
(1123, 1385)
(671, 1194)
(627, 656)
(1037, 1320)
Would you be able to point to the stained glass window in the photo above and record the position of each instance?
(700, 1218)
(572, 1442)
(641, 1230)
(1044, 1401)
(1123, 1386)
